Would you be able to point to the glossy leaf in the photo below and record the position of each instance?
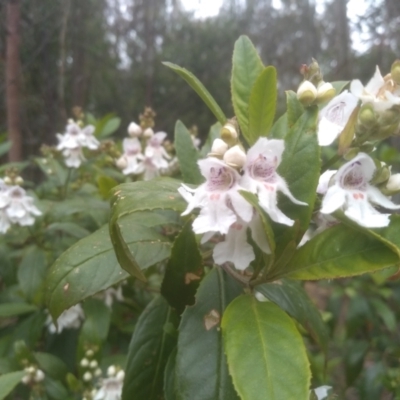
(97, 322)
(199, 88)
(69, 228)
(280, 128)
(263, 345)
(300, 167)
(294, 108)
(9, 381)
(201, 369)
(262, 104)
(187, 155)
(152, 342)
(292, 298)
(246, 68)
(184, 270)
(338, 252)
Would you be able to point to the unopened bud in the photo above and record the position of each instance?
(367, 147)
(111, 370)
(30, 370)
(218, 149)
(307, 93)
(148, 133)
(393, 183)
(7, 180)
(235, 157)
(93, 364)
(84, 362)
(120, 375)
(325, 92)
(87, 376)
(351, 153)
(89, 353)
(39, 376)
(26, 379)
(19, 181)
(367, 116)
(390, 117)
(121, 163)
(134, 130)
(381, 175)
(97, 372)
(229, 134)
(395, 71)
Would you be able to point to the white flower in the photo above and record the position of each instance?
(111, 294)
(260, 177)
(16, 207)
(307, 92)
(132, 155)
(375, 92)
(111, 388)
(334, 117)
(352, 193)
(69, 319)
(218, 148)
(196, 141)
(134, 129)
(218, 198)
(322, 392)
(156, 152)
(73, 157)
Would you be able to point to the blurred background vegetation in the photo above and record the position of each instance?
(105, 55)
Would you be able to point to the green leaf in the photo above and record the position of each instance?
(161, 193)
(148, 352)
(187, 155)
(262, 104)
(110, 127)
(280, 127)
(199, 88)
(32, 271)
(263, 345)
(200, 342)
(105, 184)
(53, 170)
(51, 365)
(214, 133)
(97, 322)
(9, 381)
(294, 108)
(246, 67)
(90, 265)
(5, 147)
(70, 228)
(338, 252)
(291, 297)
(339, 86)
(13, 309)
(55, 389)
(300, 167)
(184, 270)
(169, 377)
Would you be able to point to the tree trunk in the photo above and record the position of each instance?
(12, 80)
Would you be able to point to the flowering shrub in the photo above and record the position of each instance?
(202, 271)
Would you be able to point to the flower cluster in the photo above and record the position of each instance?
(223, 210)
(110, 388)
(153, 161)
(69, 319)
(33, 375)
(72, 142)
(16, 207)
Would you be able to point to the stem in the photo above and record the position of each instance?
(65, 187)
(234, 274)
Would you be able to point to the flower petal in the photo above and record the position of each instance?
(283, 187)
(334, 199)
(327, 132)
(365, 215)
(377, 197)
(375, 83)
(242, 207)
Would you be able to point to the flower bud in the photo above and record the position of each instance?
(306, 93)
(134, 130)
(366, 115)
(93, 364)
(84, 362)
(39, 376)
(235, 157)
(148, 133)
(89, 353)
(121, 163)
(97, 372)
(111, 370)
(393, 183)
(7, 180)
(395, 71)
(351, 153)
(325, 92)
(229, 133)
(120, 375)
(19, 181)
(87, 376)
(218, 149)
(26, 379)
(381, 175)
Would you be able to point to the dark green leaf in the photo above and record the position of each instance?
(51, 365)
(169, 377)
(184, 270)
(106, 183)
(263, 345)
(246, 68)
(110, 127)
(97, 322)
(338, 252)
(9, 381)
(148, 353)
(280, 128)
(294, 108)
(5, 147)
(187, 155)
(262, 105)
(69, 228)
(199, 88)
(292, 298)
(13, 309)
(200, 342)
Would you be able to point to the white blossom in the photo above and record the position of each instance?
(381, 94)
(132, 155)
(260, 177)
(352, 193)
(322, 392)
(334, 117)
(69, 319)
(156, 152)
(134, 129)
(111, 388)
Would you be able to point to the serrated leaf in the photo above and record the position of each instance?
(292, 298)
(262, 104)
(187, 155)
(338, 252)
(130, 198)
(200, 342)
(90, 265)
(9, 381)
(199, 88)
(300, 167)
(69, 228)
(263, 345)
(184, 270)
(148, 353)
(246, 67)
(280, 128)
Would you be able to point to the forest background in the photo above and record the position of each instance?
(105, 56)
